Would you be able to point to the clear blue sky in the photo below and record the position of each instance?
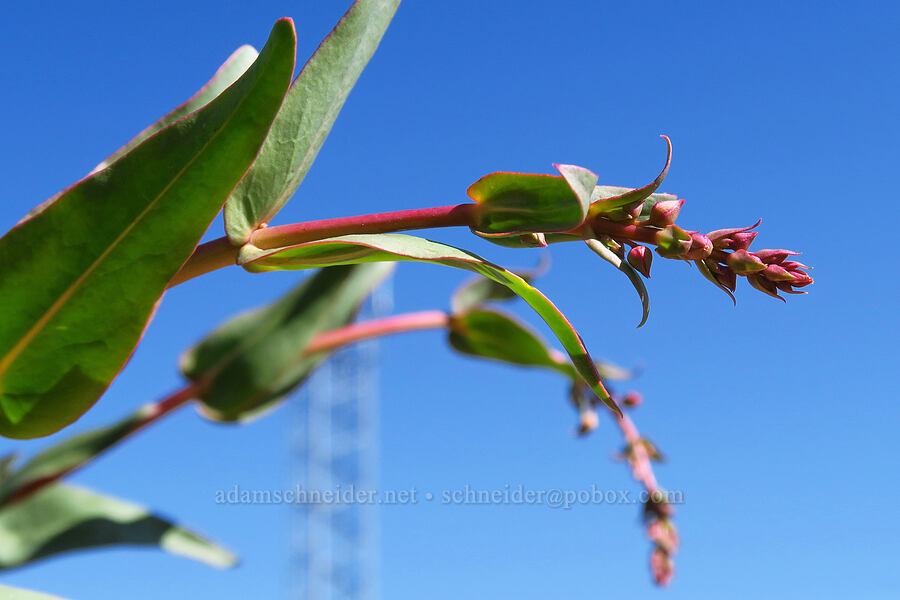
(779, 421)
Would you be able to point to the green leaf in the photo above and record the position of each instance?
(479, 290)
(253, 360)
(608, 200)
(104, 251)
(352, 249)
(633, 276)
(491, 334)
(235, 66)
(9, 593)
(66, 456)
(309, 111)
(520, 203)
(64, 518)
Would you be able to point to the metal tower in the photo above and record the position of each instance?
(334, 447)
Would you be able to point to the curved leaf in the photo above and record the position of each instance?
(253, 360)
(64, 518)
(479, 290)
(309, 111)
(351, 249)
(521, 203)
(622, 264)
(609, 200)
(106, 248)
(491, 334)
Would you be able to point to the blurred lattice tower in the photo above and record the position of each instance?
(334, 447)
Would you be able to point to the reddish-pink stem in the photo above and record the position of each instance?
(426, 319)
(329, 340)
(221, 252)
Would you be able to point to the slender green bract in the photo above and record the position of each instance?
(253, 360)
(630, 272)
(352, 249)
(104, 251)
(309, 111)
(63, 518)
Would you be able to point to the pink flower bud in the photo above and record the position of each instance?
(632, 399)
(744, 263)
(742, 241)
(640, 258)
(777, 273)
(764, 285)
(662, 566)
(774, 256)
(673, 242)
(665, 212)
(701, 247)
(724, 239)
(725, 276)
(663, 533)
(801, 279)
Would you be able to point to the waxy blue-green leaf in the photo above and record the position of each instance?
(633, 276)
(352, 249)
(255, 359)
(63, 518)
(235, 66)
(309, 111)
(522, 203)
(10, 593)
(104, 251)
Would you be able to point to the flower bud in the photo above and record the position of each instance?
(764, 285)
(701, 247)
(742, 241)
(662, 566)
(632, 399)
(724, 239)
(588, 421)
(663, 534)
(640, 258)
(725, 276)
(673, 242)
(665, 212)
(801, 279)
(777, 273)
(774, 256)
(744, 263)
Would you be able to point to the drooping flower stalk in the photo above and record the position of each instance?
(639, 453)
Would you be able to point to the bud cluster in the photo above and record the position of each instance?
(639, 453)
(721, 255)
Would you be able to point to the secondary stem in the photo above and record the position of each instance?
(324, 342)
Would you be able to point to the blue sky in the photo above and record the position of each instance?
(779, 420)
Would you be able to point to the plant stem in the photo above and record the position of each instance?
(221, 253)
(330, 340)
(324, 342)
